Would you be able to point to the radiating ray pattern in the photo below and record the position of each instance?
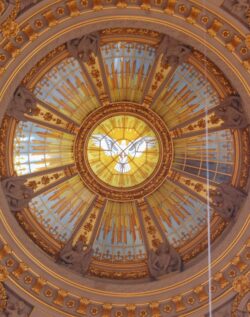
(127, 67)
(119, 231)
(59, 209)
(119, 237)
(216, 152)
(181, 215)
(107, 163)
(188, 93)
(37, 148)
(65, 89)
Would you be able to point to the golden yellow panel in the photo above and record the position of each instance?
(123, 151)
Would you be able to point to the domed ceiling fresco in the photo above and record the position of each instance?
(124, 162)
(124, 146)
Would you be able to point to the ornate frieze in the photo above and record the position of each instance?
(57, 297)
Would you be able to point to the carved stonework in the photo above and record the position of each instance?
(9, 27)
(76, 257)
(15, 307)
(3, 298)
(3, 273)
(164, 260)
(22, 103)
(231, 112)
(83, 48)
(174, 52)
(227, 200)
(18, 195)
(239, 8)
(241, 303)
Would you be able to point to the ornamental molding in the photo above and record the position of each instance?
(234, 275)
(8, 26)
(214, 25)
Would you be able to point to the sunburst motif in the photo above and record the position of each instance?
(122, 151)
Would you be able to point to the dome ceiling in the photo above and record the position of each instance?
(124, 158)
(122, 147)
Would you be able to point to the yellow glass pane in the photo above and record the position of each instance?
(123, 151)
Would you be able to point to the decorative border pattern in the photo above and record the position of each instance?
(70, 304)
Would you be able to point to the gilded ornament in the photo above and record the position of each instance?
(48, 292)
(122, 4)
(60, 297)
(201, 294)
(131, 309)
(10, 27)
(167, 308)
(106, 310)
(221, 280)
(83, 305)
(242, 284)
(214, 28)
(2, 7)
(3, 273)
(97, 5)
(237, 261)
(155, 309)
(179, 304)
(22, 267)
(38, 285)
(193, 15)
(3, 298)
(28, 279)
(146, 5)
(73, 8)
(248, 40)
(170, 7)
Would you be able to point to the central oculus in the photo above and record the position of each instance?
(123, 151)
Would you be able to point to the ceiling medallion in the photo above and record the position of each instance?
(123, 151)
